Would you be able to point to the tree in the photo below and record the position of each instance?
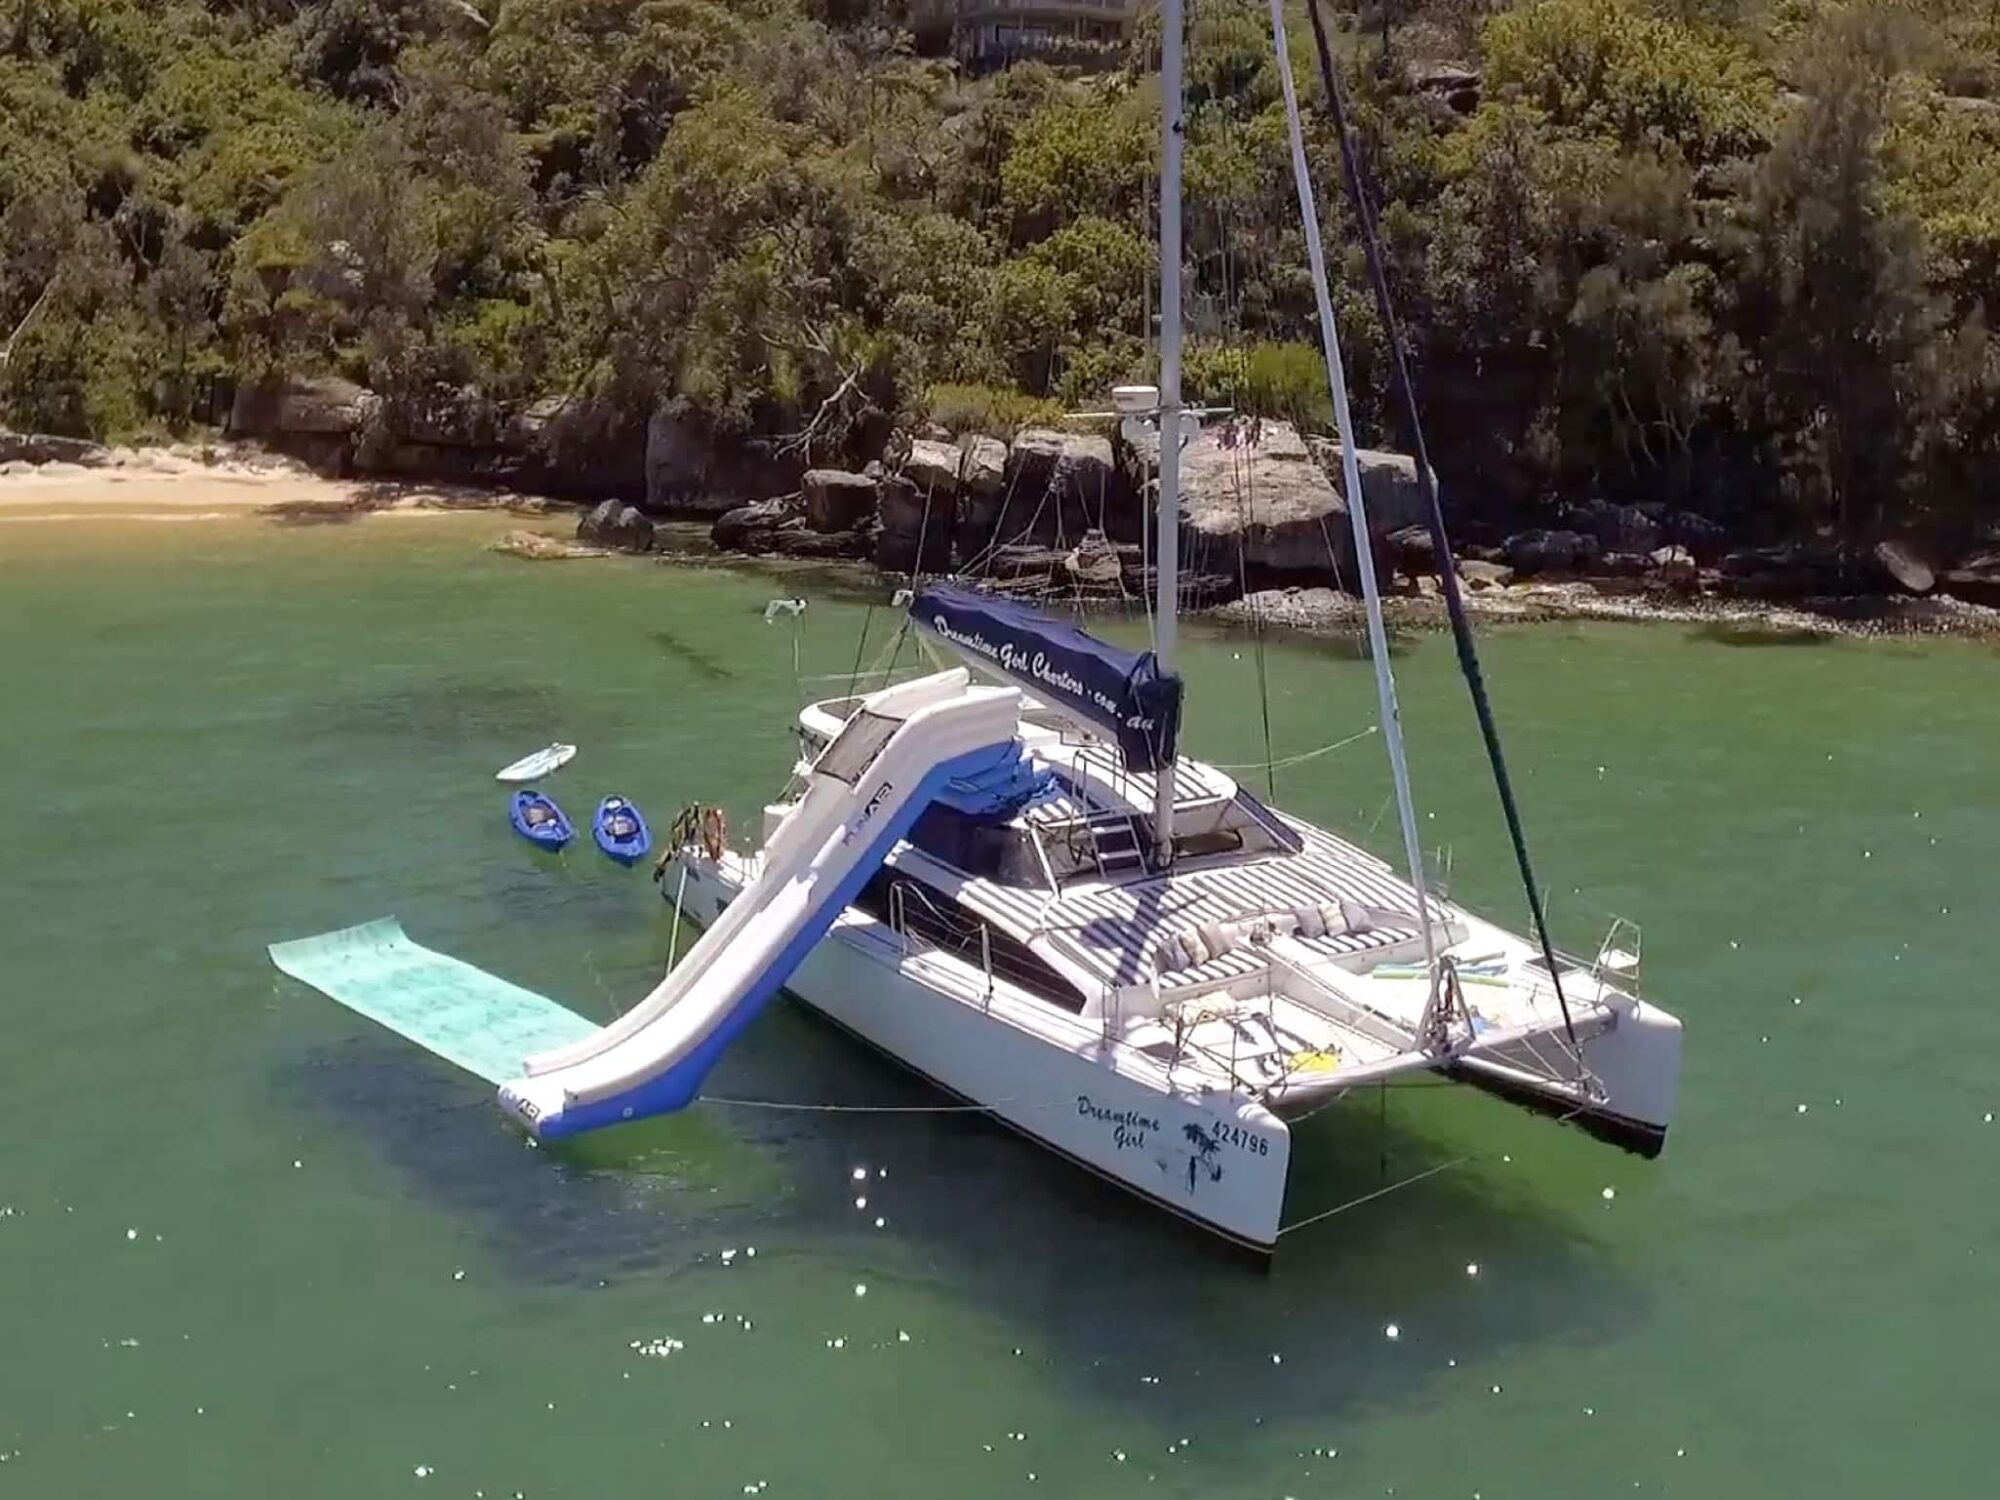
(1838, 311)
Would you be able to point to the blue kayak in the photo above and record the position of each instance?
(621, 831)
(538, 820)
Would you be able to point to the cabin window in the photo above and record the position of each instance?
(931, 917)
(1215, 841)
(855, 748)
(1000, 852)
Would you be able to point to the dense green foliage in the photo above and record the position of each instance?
(1730, 254)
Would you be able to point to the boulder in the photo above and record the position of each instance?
(1622, 565)
(982, 469)
(1618, 528)
(933, 467)
(1975, 581)
(917, 529)
(1388, 481)
(836, 500)
(1795, 570)
(983, 496)
(1060, 484)
(1412, 552)
(29, 448)
(1704, 539)
(794, 538)
(1295, 609)
(751, 528)
(1479, 575)
(1531, 553)
(1266, 506)
(1675, 566)
(1097, 564)
(615, 524)
(1906, 567)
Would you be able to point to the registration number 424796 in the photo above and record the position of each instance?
(1244, 1140)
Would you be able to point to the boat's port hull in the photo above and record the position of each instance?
(1217, 1160)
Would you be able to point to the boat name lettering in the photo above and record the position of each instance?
(1036, 664)
(1129, 1128)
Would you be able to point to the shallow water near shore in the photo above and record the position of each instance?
(251, 1246)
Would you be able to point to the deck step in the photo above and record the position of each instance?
(1114, 839)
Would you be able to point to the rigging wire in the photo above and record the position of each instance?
(1461, 627)
(854, 678)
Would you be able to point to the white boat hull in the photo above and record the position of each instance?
(1212, 1158)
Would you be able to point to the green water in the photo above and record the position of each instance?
(250, 1247)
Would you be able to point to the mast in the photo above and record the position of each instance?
(1168, 530)
(1357, 508)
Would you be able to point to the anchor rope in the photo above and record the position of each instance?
(1410, 1181)
(1302, 757)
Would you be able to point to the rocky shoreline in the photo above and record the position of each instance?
(1063, 516)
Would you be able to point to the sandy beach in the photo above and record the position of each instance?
(178, 484)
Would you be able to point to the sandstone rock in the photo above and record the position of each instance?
(933, 467)
(1675, 566)
(1485, 575)
(1622, 565)
(1388, 482)
(576, 448)
(750, 528)
(983, 466)
(303, 406)
(1061, 484)
(693, 471)
(1295, 609)
(1411, 551)
(1704, 539)
(614, 524)
(795, 539)
(677, 459)
(1906, 567)
(836, 500)
(984, 502)
(537, 547)
(1618, 528)
(1531, 553)
(1975, 581)
(1095, 562)
(917, 529)
(1269, 505)
(1793, 570)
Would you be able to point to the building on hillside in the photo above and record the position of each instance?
(993, 33)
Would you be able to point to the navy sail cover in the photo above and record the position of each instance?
(1122, 691)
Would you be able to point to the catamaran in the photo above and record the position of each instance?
(1007, 876)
